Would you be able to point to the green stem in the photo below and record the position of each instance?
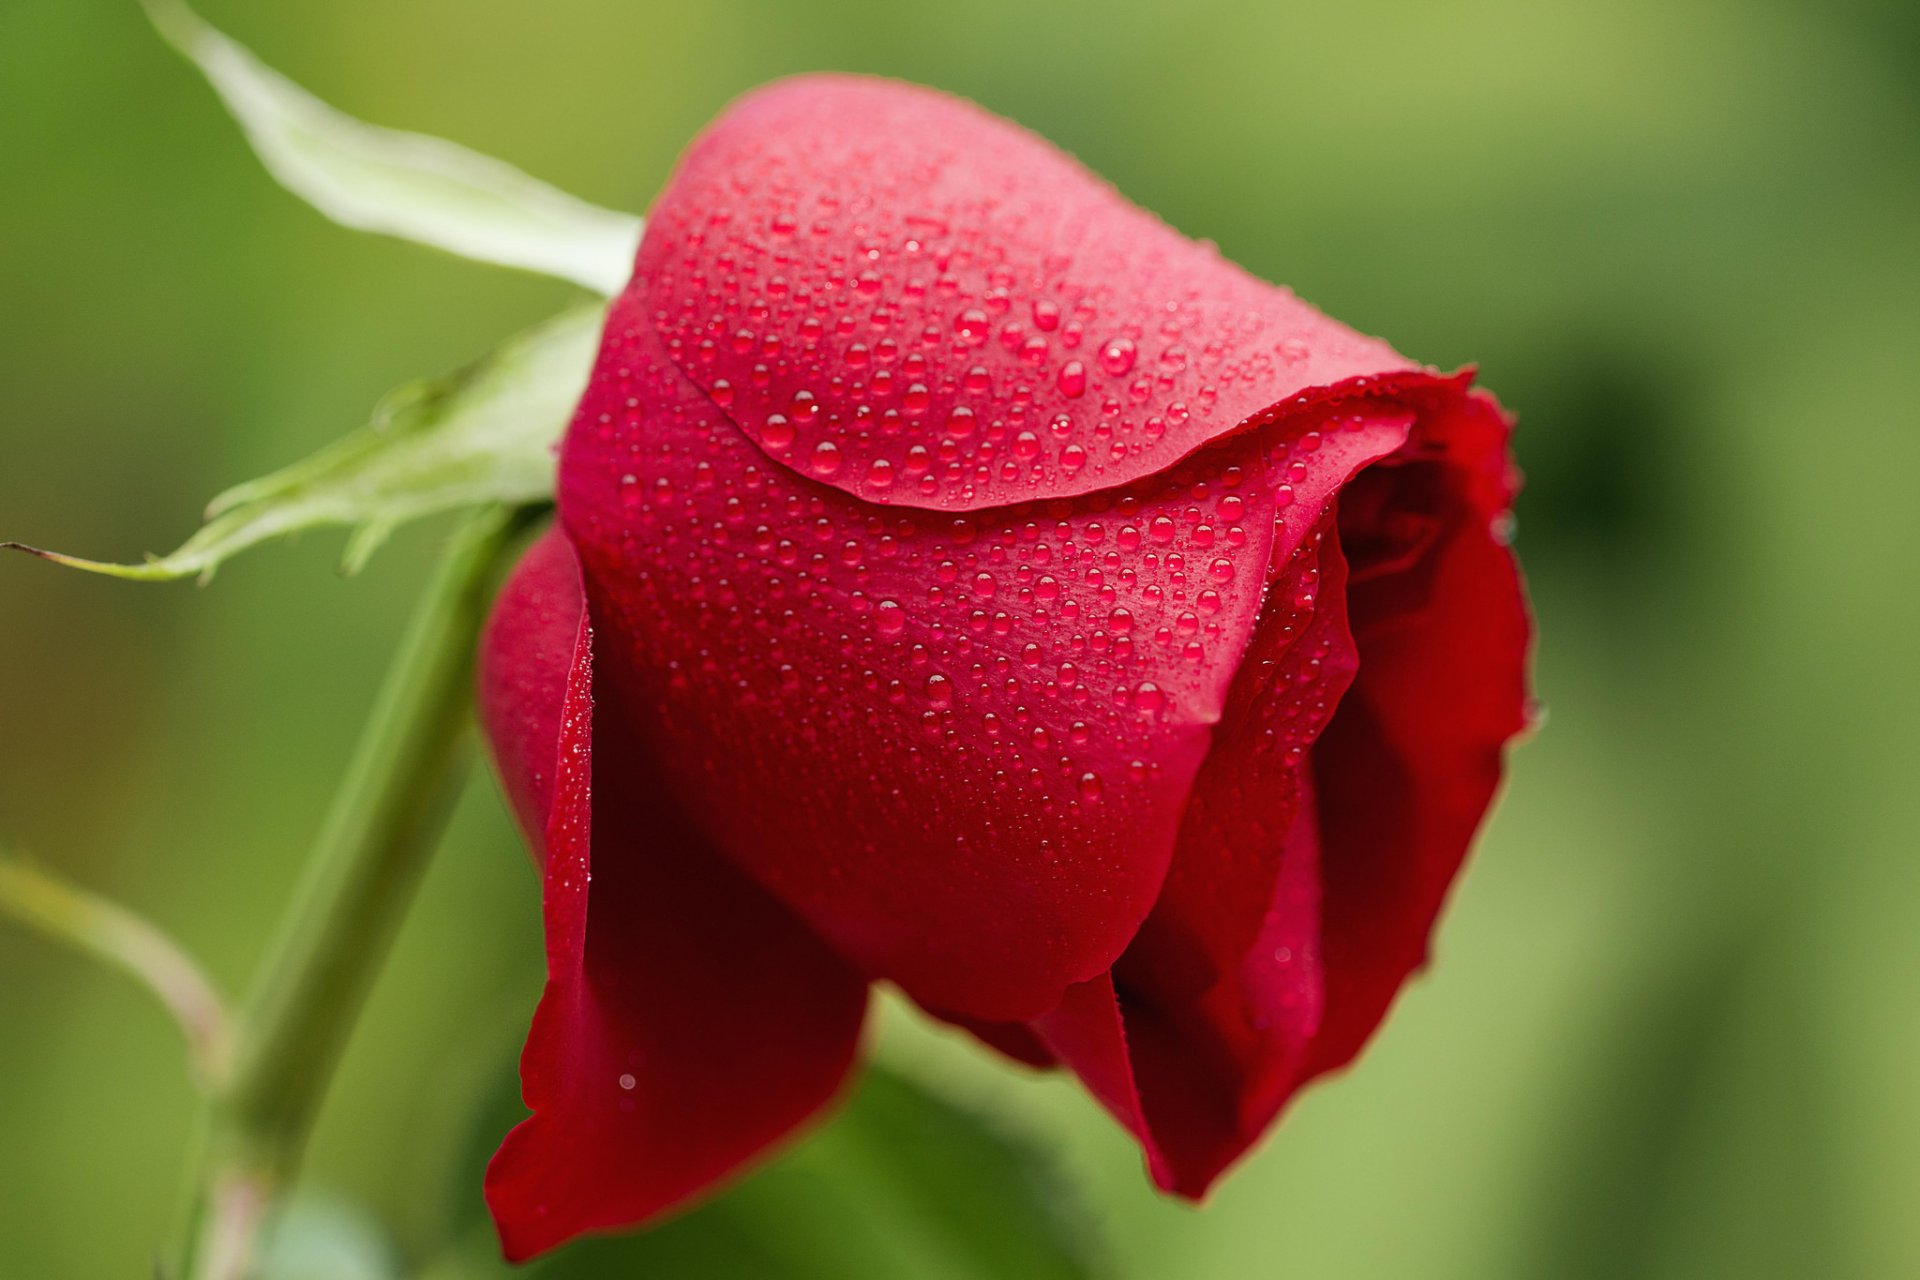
(384, 824)
(112, 934)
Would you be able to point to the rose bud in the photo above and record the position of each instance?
(964, 581)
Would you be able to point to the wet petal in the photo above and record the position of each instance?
(958, 746)
(1411, 761)
(1324, 829)
(962, 312)
(1220, 996)
(688, 1021)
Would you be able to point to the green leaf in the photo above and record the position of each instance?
(317, 1236)
(483, 434)
(404, 184)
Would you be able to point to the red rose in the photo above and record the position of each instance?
(963, 580)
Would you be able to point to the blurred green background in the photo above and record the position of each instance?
(1674, 1030)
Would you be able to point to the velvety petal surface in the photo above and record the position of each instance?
(1089, 638)
(959, 745)
(1410, 763)
(689, 1021)
(922, 304)
(1359, 750)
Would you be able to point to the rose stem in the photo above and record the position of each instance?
(384, 824)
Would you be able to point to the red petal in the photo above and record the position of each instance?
(1015, 1040)
(959, 747)
(956, 312)
(962, 748)
(688, 1020)
(1087, 1032)
(1303, 892)
(1197, 1081)
(527, 658)
(1219, 998)
(1412, 759)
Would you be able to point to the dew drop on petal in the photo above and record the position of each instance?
(971, 327)
(1148, 699)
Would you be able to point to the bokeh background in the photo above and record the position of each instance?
(1674, 1030)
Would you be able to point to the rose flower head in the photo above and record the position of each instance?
(964, 581)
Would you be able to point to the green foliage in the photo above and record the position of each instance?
(404, 184)
(483, 434)
(322, 1237)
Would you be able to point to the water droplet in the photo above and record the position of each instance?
(1073, 378)
(972, 327)
(826, 458)
(1117, 356)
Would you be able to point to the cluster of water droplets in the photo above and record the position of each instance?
(923, 323)
(932, 496)
(1039, 654)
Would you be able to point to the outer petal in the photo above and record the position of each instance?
(959, 747)
(1320, 842)
(1217, 1003)
(968, 747)
(689, 1021)
(1411, 761)
(954, 312)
